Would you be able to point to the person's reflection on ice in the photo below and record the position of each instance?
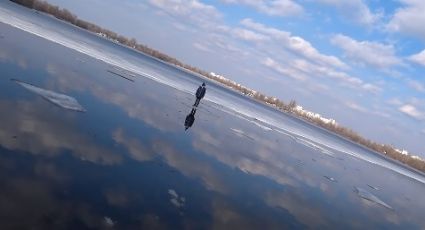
(190, 119)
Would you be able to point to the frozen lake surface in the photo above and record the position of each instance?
(127, 162)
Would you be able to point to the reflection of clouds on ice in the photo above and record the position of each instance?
(191, 166)
(252, 158)
(117, 197)
(300, 206)
(29, 202)
(50, 171)
(15, 57)
(308, 135)
(188, 165)
(38, 132)
(58, 99)
(136, 150)
(138, 104)
(225, 215)
(315, 138)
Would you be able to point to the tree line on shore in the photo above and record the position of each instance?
(65, 15)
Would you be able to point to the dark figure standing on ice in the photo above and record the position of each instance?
(190, 118)
(200, 93)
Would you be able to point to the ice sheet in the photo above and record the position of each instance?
(58, 99)
(363, 193)
(90, 48)
(241, 133)
(330, 178)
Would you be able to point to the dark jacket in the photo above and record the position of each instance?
(200, 92)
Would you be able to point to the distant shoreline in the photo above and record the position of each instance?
(387, 151)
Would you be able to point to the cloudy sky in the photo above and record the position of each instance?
(361, 62)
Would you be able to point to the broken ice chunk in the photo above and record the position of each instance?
(313, 145)
(176, 200)
(58, 99)
(373, 187)
(370, 197)
(241, 133)
(108, 221)
(172, 193)
(330, 178)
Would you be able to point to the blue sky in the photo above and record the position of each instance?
(361, 62)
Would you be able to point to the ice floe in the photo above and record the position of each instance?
(120, 75)
(108, 221)
(373, 187)
(61, 100)
(330, 178)
(241, 133)
(313, 145)
(363, 193)
(175, 199)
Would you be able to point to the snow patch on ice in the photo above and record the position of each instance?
(176, 200)
(58, 99)
(241, 133)
(363, 193)
(108, 221)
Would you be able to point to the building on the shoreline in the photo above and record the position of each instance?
(299, 109)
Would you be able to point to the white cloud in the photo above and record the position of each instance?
(272, 7)
(276, 49)
(409, 19)
(395, 101)
(368, 53)
(202, 47)
(418, 86)
(301, 69)
(185, 7)
(371, 88)
(411, 111)
(249, 35)
(290, 72)
(354, 10)
(193, 11)
(295, 44)
(357, 107)
(418, 58)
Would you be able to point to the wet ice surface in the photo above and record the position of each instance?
(58, 99)
(106, 54)
(128, 161)
(363, 193)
